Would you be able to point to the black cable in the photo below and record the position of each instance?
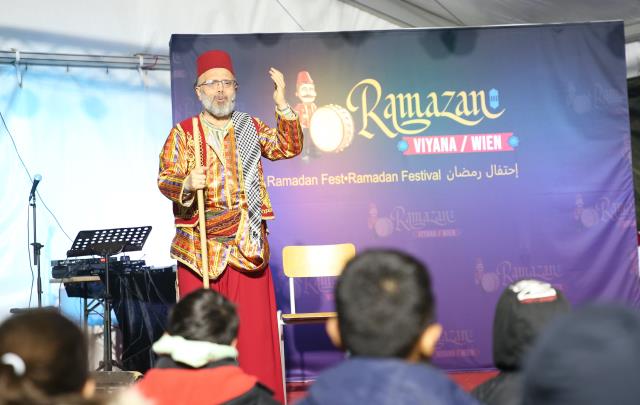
(29, 255)
(54, 217)
(15, 147)
(6, 127)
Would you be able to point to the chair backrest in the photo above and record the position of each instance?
(316, 260)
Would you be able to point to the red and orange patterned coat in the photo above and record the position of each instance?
(226, 209)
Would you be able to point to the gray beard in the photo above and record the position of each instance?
(218, 112)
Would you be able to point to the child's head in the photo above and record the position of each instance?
(204, 315)
(385, 307)
(42, 353)
(587, 357)
(524, 310)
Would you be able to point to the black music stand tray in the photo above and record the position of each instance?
(106, 243)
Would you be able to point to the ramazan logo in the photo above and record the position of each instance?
(412, 113)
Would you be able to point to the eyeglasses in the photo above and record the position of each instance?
(213, 84)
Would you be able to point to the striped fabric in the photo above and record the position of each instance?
(226, 203)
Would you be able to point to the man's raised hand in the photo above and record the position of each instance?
(278, 93)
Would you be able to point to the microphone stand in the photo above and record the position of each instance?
(36, 249)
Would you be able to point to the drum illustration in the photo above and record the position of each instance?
(331, 128)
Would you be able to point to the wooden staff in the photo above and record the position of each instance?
(202, 223)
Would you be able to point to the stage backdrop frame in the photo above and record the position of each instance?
(491, 153)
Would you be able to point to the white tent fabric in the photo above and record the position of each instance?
(94, 137)
(94, 134)
(144, 26)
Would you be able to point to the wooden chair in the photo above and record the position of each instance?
(304, 262)
(312, 261)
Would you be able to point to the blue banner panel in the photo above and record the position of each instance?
(493, 154)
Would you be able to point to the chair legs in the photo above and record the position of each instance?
(281, 336)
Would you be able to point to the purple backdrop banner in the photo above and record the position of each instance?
(493, 154)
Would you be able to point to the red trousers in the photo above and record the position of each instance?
(258, 340)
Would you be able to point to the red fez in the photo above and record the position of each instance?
(304, 78)
(214, 59)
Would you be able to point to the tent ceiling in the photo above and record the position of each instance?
(429, 13)
(124, 28)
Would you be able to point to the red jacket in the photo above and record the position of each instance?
(226, 383)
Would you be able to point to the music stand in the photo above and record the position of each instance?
(106, 243)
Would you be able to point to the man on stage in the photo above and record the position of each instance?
(236, 205)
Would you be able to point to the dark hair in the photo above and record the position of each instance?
(54, 352)
(204, 315)
(523, 310)
(587, 357)
(384, 303)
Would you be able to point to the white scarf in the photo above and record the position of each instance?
(194, 353)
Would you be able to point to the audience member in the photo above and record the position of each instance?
(589, 357)
(43, 359)
(198, 357)
(524, 309)
(386, 321)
